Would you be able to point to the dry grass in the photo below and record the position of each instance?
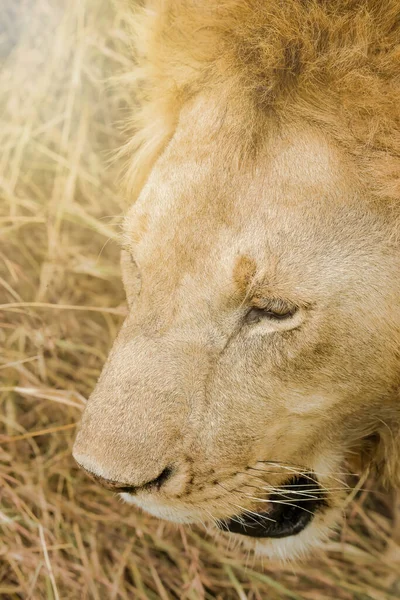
(61, 305)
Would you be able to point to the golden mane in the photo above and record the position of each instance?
(333, 63)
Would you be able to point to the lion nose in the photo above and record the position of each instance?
(119, 486)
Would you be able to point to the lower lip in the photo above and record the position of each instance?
(285, 518)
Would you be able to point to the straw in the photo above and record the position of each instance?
(61, 304)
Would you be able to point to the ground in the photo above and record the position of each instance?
(61, 303)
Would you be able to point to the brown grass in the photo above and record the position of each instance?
(61, 303)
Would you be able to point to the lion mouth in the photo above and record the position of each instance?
(289, 512)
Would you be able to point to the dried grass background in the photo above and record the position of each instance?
(61, 303)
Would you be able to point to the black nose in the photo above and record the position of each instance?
(118, 486)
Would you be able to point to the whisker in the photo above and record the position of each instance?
(281, 503)
(300, 470)
(296, 491)
(304, 474)
(254, 515)
(263, 471)
(245, 510)
(236, 519)
(321, 491)
(292, 469)
(287, 493)
(278, 488)
(269, 501)
(274, 489)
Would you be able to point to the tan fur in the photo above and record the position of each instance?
(266, 165)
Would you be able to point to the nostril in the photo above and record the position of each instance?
(154, 483)
(128, 489)
(119, 486)
(161, 479)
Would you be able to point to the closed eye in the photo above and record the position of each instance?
(274, 311)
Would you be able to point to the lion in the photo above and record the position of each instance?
(260, 358)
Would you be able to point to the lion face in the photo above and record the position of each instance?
(261, 343)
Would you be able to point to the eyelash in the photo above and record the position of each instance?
(280, 312)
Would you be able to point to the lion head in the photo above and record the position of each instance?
(261, 346)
